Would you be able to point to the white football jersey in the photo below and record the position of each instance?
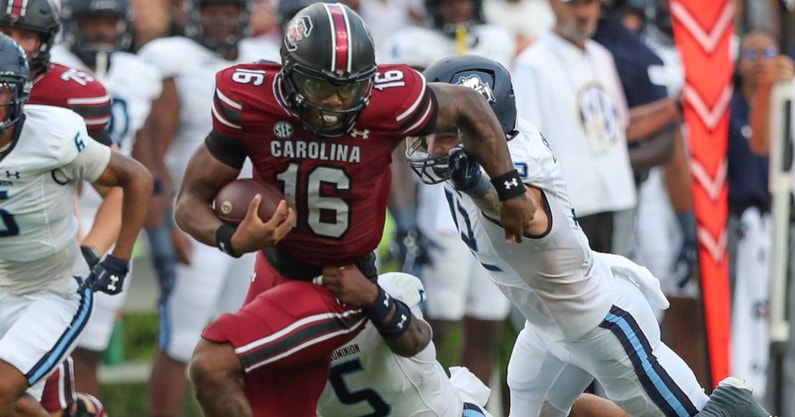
(133, 85)
(420, 46)
(575, 97)
(366, 378)
(553, 279)
(38, 180)
(193, 68)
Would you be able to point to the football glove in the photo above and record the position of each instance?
(108, 275)
(464, 171)
(410, 250)
(686, 262)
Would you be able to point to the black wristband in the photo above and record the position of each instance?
(223, 239)
(380, 309)
(508, 185)
(91, 255)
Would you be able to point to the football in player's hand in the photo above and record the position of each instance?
(232, 200)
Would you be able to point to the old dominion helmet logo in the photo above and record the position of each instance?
(474, 82)
(298, 30)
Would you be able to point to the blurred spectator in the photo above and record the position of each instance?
(385, 17)
(151, 19)
(568, 86)
(759, 67)
(525, 19)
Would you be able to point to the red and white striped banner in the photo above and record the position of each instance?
(703, 31)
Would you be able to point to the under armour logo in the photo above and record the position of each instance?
(510, 184)
(365, 134)
(402, 321)
(14, 174)
(113, 280)
(386, 300)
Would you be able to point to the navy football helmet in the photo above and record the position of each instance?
(40, 16)
(485, 76)
(197, 31)
(14, 81)
(437, 19)
(75, 37)
(327, 49)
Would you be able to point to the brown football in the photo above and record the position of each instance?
(232, 200)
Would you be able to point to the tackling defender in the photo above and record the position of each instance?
(588, 314)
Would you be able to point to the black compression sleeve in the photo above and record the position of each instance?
(227, 150)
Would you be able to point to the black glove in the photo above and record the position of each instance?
(686, 262)
(91, 255)
(464, 170)
(108, 275)
(410, 250)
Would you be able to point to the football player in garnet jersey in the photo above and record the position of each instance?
(205, 282)
(46, 152)
(321, 126)
(34, 27)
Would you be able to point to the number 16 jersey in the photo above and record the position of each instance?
(338, 187)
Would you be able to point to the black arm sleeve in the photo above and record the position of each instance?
(225, 149)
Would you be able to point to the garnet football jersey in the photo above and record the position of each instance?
(74, 89)
(339, 186)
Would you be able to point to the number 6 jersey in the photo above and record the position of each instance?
(39, 173)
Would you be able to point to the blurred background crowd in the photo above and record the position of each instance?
(625, 160)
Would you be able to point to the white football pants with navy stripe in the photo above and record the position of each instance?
(38, 330)
(638, 372)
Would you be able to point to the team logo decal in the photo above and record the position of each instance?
(474, 82)
(299, 29)
(283, 130)
(598, 117)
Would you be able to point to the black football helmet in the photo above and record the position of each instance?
(196, 31)
(288, 8)
(40, 16)
(327, 49)
(74, 37)
(14, 77)
(438, 21)
(486, 76)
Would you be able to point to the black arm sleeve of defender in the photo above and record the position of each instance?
(225, 149)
